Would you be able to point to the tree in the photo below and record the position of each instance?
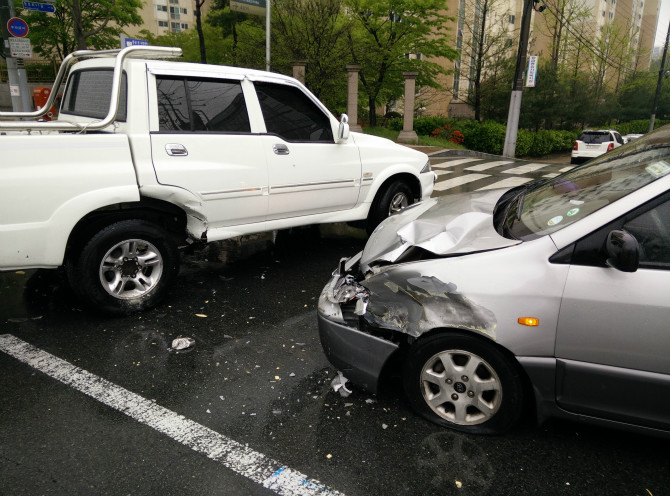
(228, 22)
(316, 32)
(484, 43)
(198, 26)
(81, 24)
(392, 36)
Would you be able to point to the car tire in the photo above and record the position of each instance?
(392, 200)
(125, 267)
(464, 383)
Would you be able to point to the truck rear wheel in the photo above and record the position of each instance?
(126, 267)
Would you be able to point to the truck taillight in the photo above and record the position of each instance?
(576, 147)
(610, 147)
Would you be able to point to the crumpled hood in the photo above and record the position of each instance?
(449, 225)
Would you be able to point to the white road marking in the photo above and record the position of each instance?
(510, 182)
(566, 169)
(525, 169)
(458, 161)
(458, 181)
(233, 455)
(443, 172)
(488, 165)
(552, 175)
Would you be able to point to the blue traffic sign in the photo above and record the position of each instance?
(17, 27)
(39, 7)
(134, 42)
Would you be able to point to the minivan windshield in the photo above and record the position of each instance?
(548, 206)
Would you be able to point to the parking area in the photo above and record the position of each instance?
(96, 405)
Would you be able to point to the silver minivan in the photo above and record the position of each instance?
(554, 294)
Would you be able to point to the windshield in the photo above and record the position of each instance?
(545, 207)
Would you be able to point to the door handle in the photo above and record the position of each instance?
(176, 150)
(280, 149)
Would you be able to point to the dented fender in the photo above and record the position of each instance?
(413, 304)
(196, 219)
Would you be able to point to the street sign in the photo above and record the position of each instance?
(39, 7)
(17, 27)
(254, 7)
(531, 75)
(132, 42)
(20, 48)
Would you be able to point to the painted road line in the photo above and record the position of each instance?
(459, 161)
(510, 182)
(443, 172)
(488, 165)
(458, 181)
(233, 455)
(550, 176)
(525, 169)
(566, 169)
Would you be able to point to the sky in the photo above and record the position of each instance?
(663, 20)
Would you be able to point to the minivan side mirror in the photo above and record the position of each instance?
(343, 129)
(623, 251)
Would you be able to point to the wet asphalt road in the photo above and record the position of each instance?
(257, 376)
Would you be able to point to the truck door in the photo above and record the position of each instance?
(308, 172)
(204, 144)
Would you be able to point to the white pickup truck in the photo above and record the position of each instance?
(148, 155)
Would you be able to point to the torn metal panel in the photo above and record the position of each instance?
(413, 304)
(450, 225)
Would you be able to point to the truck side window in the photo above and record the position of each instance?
(291, 114)
(201, 105)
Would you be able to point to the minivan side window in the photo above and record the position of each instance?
(652, 231)
(201, 105)
(292, 115)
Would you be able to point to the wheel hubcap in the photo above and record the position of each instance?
(461, 387)
(398, 202)
(131, 269)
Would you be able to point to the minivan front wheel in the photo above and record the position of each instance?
(464, 383)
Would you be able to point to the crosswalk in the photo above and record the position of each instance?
(457, 174)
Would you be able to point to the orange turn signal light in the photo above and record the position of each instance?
(529, 321)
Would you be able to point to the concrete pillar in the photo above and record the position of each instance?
(408, 135)
(299, 70)
(352, 97)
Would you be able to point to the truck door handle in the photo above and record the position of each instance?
(280, 149)
(176, 150)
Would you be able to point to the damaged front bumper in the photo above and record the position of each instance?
(359, 355)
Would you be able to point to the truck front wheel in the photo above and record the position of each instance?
(390, 201)
(125, 267)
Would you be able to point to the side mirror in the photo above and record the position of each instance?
(343, 129)
(623, 251)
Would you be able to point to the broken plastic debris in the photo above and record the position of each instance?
(202, 315)
(182, 343)
(384, 426)
(459, 484)
(339, 385)
(369, 401)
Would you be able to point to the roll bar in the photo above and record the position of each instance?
(136, 51)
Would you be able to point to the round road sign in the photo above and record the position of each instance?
(17, 27)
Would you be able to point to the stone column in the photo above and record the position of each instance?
(352, 97)
(299, 70)
(408, 135)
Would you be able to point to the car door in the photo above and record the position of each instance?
(613, 336)
(308, 172)
(204, 144)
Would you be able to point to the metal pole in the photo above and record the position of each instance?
(515, 99)
(15, 83)
(660, 82)
(267, 34)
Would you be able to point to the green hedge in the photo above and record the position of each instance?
(489, 136)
